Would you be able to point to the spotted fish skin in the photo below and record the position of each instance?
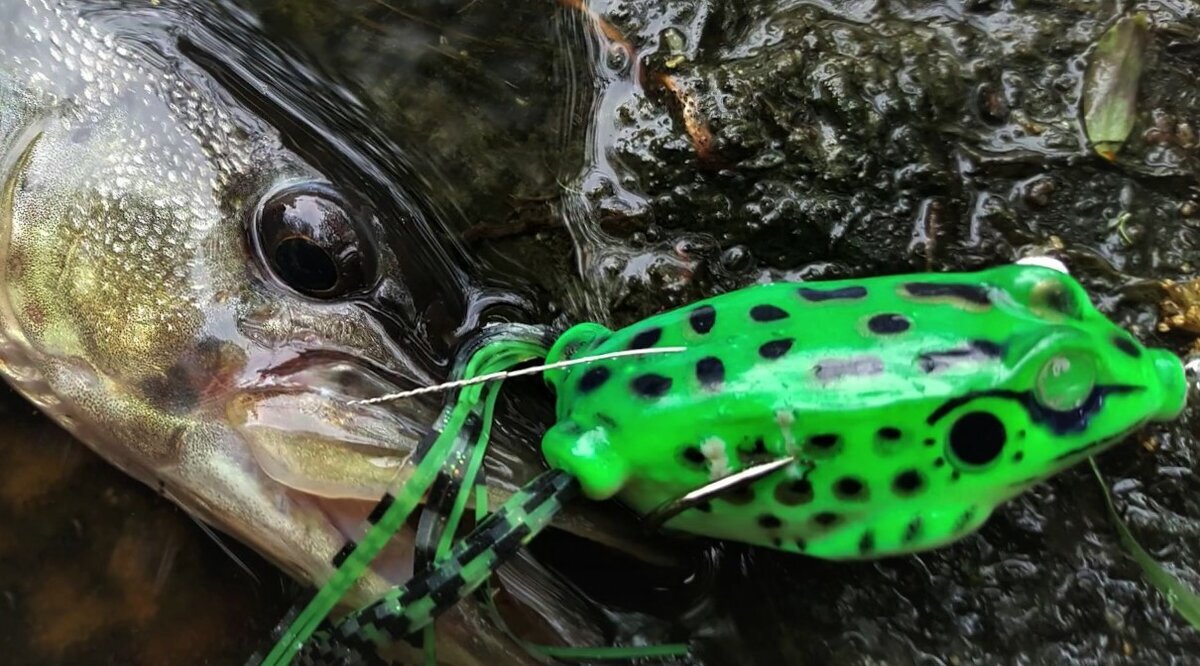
(911, 406)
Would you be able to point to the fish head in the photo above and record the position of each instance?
(199, 302)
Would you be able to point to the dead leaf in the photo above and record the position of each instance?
(1110, 85)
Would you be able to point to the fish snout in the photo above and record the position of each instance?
(310, 432)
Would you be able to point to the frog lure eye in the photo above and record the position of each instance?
(842, 420)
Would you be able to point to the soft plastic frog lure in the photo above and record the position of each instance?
(843, 420)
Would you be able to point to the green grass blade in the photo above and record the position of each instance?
(1180, 596)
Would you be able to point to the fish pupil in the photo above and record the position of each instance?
(306, 266)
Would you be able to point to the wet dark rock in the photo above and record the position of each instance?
(1039, 191)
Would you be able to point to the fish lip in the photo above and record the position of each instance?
(343, 517)
(322, 397)
(322, 356)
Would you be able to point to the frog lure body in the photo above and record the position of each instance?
(842, 420)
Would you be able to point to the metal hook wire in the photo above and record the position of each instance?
(656, 518)
(505, 374)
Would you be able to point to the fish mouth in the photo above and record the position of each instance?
(332, 457)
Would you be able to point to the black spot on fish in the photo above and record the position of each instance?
(820, 295)
(973, 294)
(694, 456)
(826, 518)
(766, 313)
(977, 438)
(801, 545)
(858, 366)
(1018, 456)
(978, 351)
(777, 542)
(1126, 345)
(889, 433)
(593, 379)
(939, 462)
(908, 482)
(929, 441)
(850, 488)
(955, 475)
(769, 521)
(867, 543)
(775, 348)
(647, 338)
(710, 371)
(888, 324)
(651, 385)
(912, 530)
(702, 318)
(794, 492)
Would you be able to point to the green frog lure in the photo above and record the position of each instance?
(843, 420)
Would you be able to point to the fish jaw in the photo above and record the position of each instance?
(132, 311)
(218, 472)
(232, 475)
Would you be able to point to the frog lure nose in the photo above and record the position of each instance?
(844, 420)
(1172, 382)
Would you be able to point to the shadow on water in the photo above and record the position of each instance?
(101, 570)
(847, 138)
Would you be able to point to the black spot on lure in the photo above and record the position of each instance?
(952, 451)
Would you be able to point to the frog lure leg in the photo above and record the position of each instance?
(844, 420)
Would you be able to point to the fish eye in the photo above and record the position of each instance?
(307, 237)
(1065, 381)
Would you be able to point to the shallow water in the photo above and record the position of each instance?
(847, 138)
(98, 569)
